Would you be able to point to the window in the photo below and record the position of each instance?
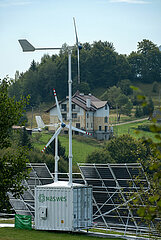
(106, 128)
(77, 125)
(91, 125)
(64, 107)
(87, 125)
(106, 108)
(64, 115)
(73, 106)
(100, 128)
(74, 115)
(87, 115)
(106, 119)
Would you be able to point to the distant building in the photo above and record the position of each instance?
(18, 128)
(88, 113)
(157, 115)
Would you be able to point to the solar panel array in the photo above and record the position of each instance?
(113, 185)
(39, 175)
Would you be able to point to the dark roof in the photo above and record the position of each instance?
(80, 99)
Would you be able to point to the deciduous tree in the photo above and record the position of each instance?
(12, 159)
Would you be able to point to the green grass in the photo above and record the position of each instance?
(19, 234)
(131, 128)
(81, 145)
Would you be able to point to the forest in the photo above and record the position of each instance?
(100, 67)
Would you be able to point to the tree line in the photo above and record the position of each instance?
(100, 66)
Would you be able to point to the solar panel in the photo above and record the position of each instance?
(39, 175)
(112, 186)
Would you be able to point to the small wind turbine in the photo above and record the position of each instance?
(79, 47)
(55, 136)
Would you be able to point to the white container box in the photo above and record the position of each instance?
(59, 206)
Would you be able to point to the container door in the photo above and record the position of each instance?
(82, 203)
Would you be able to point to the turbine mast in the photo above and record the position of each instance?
(70, 115)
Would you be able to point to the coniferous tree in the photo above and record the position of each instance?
(24, 138)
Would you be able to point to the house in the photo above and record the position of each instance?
(88, 113)
(157, 116)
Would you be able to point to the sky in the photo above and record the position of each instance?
(49, 23)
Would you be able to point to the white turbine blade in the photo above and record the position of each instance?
(54, 136)
(79, 130)
(78, 46)
(75, 31)
(39, 122)
(58, 108)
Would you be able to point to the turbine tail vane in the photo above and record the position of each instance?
(39, 122)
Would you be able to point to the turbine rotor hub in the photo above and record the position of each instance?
(63, 125)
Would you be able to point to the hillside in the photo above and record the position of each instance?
(146, 89)
(100, 68)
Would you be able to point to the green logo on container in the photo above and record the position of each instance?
(42, 198)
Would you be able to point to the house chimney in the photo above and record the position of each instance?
(88, 102)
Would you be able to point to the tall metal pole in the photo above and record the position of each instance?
(70, 115)
(56, 159)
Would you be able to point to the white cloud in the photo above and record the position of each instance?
(130, 1)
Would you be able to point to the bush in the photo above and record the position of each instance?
(144, 128)
(35, 156)
(99, 156)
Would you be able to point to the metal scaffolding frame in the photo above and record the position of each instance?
(114, 186)
(39, 175)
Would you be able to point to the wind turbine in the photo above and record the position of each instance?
(79, 47)
(27, 47)
(55, 136)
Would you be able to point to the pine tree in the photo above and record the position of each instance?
(25, 139)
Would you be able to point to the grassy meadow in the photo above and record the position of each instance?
(19, 234)
(132, 129)
(81, 145)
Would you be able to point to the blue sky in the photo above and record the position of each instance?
(49, 23)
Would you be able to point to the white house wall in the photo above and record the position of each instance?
(79, 111)
(99, 119)
(89, 121)
(96, 122)
(102, 112)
